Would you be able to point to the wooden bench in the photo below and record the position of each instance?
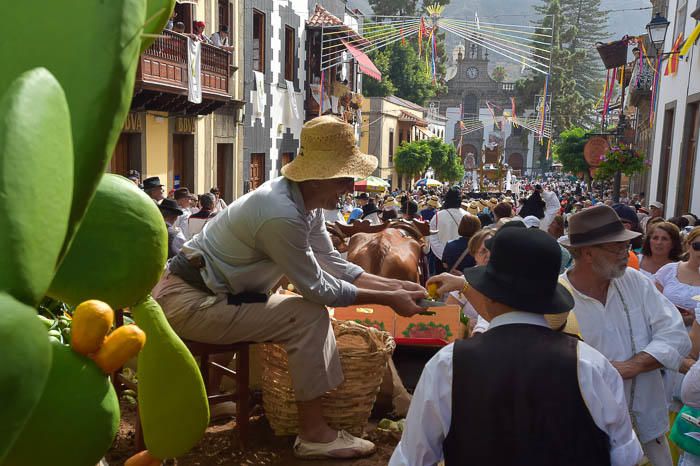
(204, 351)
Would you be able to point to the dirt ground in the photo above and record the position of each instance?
(220, 446)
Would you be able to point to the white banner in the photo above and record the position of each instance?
(259, 91)
(194, 66)
(292, 100)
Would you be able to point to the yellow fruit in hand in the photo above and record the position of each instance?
(120, 346)
(92, 320)
(432, 290)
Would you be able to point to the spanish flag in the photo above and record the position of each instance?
(672, 65)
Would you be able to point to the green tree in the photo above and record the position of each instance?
(412, 159)
(394, 7)
(569, 151)
(444, 160)
(575, 71)
(499, 74)
(404, 73)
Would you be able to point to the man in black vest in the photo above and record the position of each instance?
(520, 394)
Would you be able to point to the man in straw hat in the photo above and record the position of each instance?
(520, 393)
(218, 289)
(623, 315)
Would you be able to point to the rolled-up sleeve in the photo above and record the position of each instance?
(429, 416)
(286, 242)
(669, 339)
(603, 392)
(327, 256)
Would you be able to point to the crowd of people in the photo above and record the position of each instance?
(582, 340)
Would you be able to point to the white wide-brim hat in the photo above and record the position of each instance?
(328, 150)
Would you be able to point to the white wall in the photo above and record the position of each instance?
(676, 88)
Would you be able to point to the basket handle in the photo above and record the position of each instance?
(353, 328)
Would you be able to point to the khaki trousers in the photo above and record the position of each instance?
(302, 327)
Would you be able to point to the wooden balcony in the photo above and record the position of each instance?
(162, 77)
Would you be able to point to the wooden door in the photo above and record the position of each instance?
(286, 158)
(687, 166)
(666, 147)
(257, 170)
(178, 161)
(120, 158)
(221, 170)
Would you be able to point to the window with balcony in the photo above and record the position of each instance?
(289, 49)
(681, 17)
(224, 15)
(258, 41)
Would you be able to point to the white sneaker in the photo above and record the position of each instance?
(346, 446)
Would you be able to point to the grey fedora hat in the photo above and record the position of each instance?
(596, 225)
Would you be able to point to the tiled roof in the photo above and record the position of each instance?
(405, 103)
(322, 17)
(405, 116)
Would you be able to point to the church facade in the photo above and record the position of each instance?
(473, 97)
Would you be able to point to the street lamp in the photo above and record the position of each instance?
(657, 28)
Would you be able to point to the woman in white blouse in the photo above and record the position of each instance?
(662, 245)
(680, 281)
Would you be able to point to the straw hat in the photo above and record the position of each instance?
(434, 202)
(473, 208)
(328, 151)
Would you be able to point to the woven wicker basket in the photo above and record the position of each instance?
(364, 353)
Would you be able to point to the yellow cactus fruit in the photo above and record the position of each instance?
(143, 458)
(92, 320)
(120, 346)
(432, 290)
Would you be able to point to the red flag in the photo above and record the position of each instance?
(421, 31)
(672, 65)
(403, 39)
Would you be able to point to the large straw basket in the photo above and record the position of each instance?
(364, 353)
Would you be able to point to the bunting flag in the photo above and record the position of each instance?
(421, 33)
(403, 38)
(476, 20)
(543, 110)
(549, 148)
(514, 115)
(673, 59)
(654, 91)
(690, 41)
(434, 54)
(640, 42)
(320, 104)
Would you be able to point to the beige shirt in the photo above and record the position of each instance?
(267, 234)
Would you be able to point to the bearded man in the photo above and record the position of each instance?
(622, 314)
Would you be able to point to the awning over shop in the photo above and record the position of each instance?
(366, 65)
(425, 131)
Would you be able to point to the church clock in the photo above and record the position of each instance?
(472, 72)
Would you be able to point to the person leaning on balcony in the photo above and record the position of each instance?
(220, 38)
(219, 288)
(198, 27)
(179, 27)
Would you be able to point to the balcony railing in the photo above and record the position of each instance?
(163, 66)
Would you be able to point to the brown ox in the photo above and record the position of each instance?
(391, 250)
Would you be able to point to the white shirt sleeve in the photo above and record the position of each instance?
(669, 339)
(603, 391)
(481, 326)
(435, 244)
(429, 415)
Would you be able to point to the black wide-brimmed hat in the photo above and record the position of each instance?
(152, 182)
(523, 272)
(169, 206)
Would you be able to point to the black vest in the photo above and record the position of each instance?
(516, 402)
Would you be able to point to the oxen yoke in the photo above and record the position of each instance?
(392, 249)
